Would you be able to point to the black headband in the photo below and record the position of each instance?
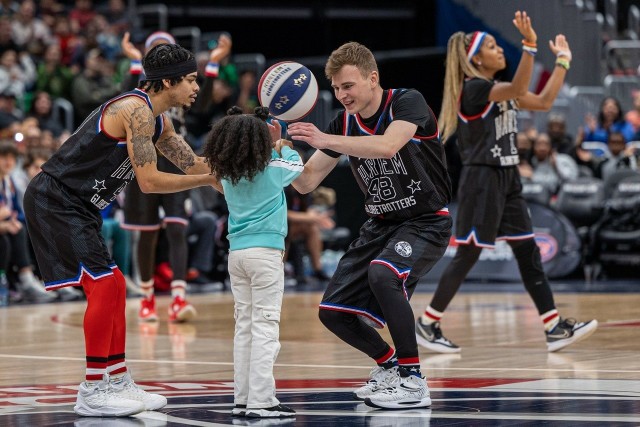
(173, 70)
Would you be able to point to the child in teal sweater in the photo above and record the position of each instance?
(253, 171)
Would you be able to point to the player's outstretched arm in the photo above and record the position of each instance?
(139, 123)
(315, 170)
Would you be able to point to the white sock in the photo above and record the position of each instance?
(178, 288)
(146, 287)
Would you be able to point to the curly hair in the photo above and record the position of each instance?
(239, 145)
(160, 56)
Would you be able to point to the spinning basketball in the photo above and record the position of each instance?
(289, 90)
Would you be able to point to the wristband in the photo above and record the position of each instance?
(530, 50)
(563, 63)
(529, 44)
(212, 69)
(564, 54)
(135, 67)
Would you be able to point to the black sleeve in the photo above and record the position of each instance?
(411, 107)
(475, 96)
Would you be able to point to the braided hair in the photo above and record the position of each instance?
(239, 145)
(160, 56)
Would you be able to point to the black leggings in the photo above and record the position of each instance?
(178, 252)
(527, 255)
(388, 290)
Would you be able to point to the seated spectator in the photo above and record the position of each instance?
(620, 156)
(305, 223)
(13, 232)
(561, 141)
(28, 31)
(551, 168)
(633, 115)
(610, 119)
(524, 146)
(17, 73)
(53, 77)
(42, 110)
(93, 86)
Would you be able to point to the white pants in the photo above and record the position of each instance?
(257, 283)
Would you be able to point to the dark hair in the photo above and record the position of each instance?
(160, 56)
(36, 153)
(8, 147)
(619, 117)
(239, 145)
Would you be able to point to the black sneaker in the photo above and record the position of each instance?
(321, 275)
(569, 331)
(278, 411)
(431, 338)
(239, 411)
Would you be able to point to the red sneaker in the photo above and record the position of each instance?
(181, 311)
(147, 311)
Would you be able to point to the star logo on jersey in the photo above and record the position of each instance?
(414, 186)
(99, 185)
(496, 151)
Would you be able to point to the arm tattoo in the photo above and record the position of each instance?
(175, 148)
(142, 127)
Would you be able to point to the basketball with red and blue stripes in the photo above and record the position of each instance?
(289, 90)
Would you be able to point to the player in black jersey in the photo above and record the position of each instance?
(62, 206)
(391, 138)
(491, 206)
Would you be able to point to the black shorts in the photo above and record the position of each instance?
(410, 248)
(66, 234)
(491, 207)
(142, 211)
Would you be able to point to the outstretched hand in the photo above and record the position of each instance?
(222, 50)
(308, 133)
(275, 130)
(523, 24)
(560, 47)
(129, 50)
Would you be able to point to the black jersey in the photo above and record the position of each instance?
(486, 130)
(415, 180)
(91, 163)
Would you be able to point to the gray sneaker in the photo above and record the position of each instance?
(410, 391)
(569, 331)
(380, 378)
(100, 400)
(431, 338)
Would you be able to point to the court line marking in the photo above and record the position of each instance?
(297, 365)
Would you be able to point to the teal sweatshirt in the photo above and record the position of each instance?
(258, 208)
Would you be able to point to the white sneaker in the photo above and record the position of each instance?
(69, 293)
(100, 400)
(380, 378)
(126, 388)
(408, 392)
(34, 291)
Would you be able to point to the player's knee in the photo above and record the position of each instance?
(334, 319)
(176, 231)
(382, 276)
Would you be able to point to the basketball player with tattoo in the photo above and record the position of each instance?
(391, 138)
(62, 205)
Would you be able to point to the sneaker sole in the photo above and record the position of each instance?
(104, 412)
(438, 348)
(578, 335)
(185, 315)
(268, 414)
(148, 319)
(413, 403)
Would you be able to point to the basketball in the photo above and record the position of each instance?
(289, 90)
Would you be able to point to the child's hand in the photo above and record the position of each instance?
(275, 130)
(282, 143)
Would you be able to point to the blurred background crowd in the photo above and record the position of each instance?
(59, 60)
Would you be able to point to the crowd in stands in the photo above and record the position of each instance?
(53, 54)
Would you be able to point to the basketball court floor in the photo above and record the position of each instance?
(503, 376)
